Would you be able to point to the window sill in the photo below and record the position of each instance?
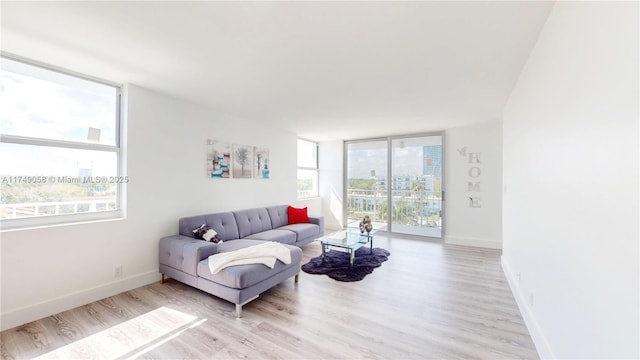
(310, 198)
(22, 224)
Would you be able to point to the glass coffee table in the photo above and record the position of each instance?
(348, 240)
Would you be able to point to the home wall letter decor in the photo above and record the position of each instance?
(474, 172)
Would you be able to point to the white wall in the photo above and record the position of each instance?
(48, 270)
(571, 214)
(473, 169)
(331, 167)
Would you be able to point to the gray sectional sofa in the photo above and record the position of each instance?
(184, 258)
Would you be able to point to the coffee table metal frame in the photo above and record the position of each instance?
(348, 240)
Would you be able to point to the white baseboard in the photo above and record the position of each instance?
(477, 242)
(46, 308)
(539, 340)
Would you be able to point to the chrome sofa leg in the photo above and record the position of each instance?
(239, 306)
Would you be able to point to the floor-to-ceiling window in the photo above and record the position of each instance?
(366, 182)
(416, 185)
(397, 181)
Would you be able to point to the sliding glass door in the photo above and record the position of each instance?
(366, 182)
(416, 185)
(397, 182)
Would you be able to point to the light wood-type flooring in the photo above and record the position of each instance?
(428, 301)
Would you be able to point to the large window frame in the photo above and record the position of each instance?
(109, 211)
(388, 193)
(307, 169)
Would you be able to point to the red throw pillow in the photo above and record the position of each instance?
(297, 216)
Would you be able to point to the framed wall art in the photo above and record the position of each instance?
(261, 164)
(233, 161)
(241, 162)
(218, 159)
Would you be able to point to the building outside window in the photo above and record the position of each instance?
(307, 169)
(60, 146)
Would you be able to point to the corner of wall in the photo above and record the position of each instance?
(539, 340)
(473, 241)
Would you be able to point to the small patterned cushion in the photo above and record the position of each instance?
(206, 233)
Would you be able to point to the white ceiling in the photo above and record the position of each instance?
(324, 70)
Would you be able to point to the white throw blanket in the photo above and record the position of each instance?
(266, 254)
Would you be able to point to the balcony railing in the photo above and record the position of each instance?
(413, 208)
(10, 211)
(306, 194)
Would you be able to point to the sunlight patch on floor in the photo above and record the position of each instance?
(130, 338)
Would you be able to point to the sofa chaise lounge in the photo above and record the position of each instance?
(185, 258)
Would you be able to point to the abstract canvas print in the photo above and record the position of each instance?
(261, 159)
(218, 159)
(241, 159)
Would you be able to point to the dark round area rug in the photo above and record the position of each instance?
(336, 264)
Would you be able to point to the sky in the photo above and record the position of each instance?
(51, 109)
(407, 158)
